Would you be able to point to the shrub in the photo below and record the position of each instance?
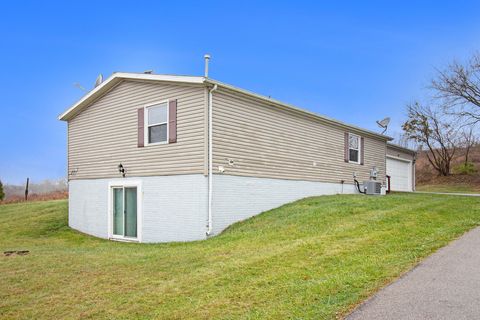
(466, 168)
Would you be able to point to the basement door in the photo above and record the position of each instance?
(124, 212)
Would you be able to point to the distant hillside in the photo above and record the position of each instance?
(44, 190)
(427, 178)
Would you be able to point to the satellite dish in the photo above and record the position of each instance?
(99, 80)
(384, 124)
(79, 86)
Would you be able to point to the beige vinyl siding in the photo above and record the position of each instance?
(105, 133)
(394, 152)
(266, 140)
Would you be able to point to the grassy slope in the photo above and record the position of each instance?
(428, 179)
(315, 258)
(451, 187)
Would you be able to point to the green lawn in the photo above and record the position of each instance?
(312, 259)
(451, 188)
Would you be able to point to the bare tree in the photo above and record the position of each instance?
(402, 139)
(458, 88)
(430, 127)
(469, 140)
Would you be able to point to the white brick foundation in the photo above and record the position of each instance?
(174, 208)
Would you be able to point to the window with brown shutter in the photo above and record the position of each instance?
(353, 148)
(172, 121)
(362, 150)
(140, 127)
(345, 148)
(157, 123)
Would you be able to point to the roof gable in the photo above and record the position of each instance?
(115, 79)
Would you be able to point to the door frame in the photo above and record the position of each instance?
(125, 184)
(410, 170)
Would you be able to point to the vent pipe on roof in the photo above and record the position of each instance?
(207, 58)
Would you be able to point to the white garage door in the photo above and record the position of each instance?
(400, 173)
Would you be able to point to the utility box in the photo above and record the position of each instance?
(372, 187)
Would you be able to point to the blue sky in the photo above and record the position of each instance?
(357, 61)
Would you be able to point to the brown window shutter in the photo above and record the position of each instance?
(345, 155)
(172, 121)
(140, 127)
(362, 150)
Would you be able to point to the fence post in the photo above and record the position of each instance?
(26, 190)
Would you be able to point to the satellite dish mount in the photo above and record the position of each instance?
(99, 80)
(384, 124)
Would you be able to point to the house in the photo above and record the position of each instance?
(159, 158)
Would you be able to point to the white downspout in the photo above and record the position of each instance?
(210, 159)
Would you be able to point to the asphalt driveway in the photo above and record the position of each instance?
(444, 286)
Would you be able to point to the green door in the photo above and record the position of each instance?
(125, 211)
(118, 211)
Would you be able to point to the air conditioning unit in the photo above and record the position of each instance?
(372, 187)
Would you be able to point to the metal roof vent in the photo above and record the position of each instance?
(207, 58)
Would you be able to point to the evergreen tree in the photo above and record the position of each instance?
(2, 193)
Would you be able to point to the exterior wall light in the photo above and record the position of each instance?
(121, 169)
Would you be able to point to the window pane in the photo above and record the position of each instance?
(157, 133)
(118, 211)
(157, 114)
(353, 142)
(353, 155)
(131, 212)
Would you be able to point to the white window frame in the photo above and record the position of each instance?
(359, 148)
(146, 125)
(125, 184)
